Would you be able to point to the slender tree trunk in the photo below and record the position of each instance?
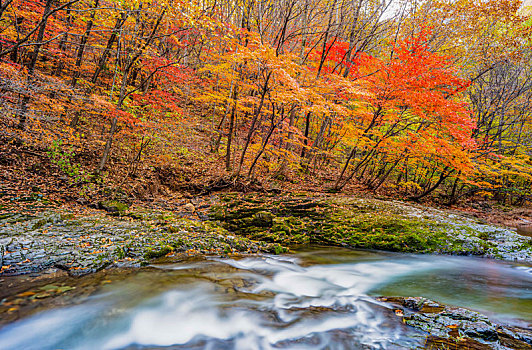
(23, 110)
(122, 96)
(352, 153)
(232, 95)
(13, 48)
(253, 123)
(62, 45)
(263, 147)
(337, 185)
(367, 158)
(230, 140)
(108, 144)
(453, 198)
(379, 184)
(133, 60)
(302, 53)
(4, 6)
(352, 37)
(288, 147)
(82, 44)
(316, 145)
(305, 141)
(443, 176)
(105, 55)
(325, 50)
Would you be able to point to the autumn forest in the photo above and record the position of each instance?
(414, 99)
(265, 174)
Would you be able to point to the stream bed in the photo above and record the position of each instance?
(319, 298)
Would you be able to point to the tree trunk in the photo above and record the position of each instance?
(443, 176)
(307, 130)
(82, 44)
(108, 144)
(23, 110)
(103, 59)
(230, 140)
(62, 45)
(127, 69)
(253, 122)
(121, 98)
(263, 147)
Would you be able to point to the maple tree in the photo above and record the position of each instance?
(399, 97)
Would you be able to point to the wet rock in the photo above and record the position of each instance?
(457, 328)
(515, 337)
(482, 331)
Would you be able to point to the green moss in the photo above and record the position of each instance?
(114, 207)
(262, 219)
(173, 229)
(6, 215)
(527, 244)
(40, 223)
(354, 223)
(152, 253)
(278, 249)
(67, 216)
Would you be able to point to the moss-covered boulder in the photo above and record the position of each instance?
(114, 207)
(457, 328)
(341, 221)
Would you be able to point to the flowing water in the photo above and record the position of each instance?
(315, 299)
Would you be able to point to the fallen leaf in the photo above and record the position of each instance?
(26, 294)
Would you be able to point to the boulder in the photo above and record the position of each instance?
(457, 328)
(113, 207)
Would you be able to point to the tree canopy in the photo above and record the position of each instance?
(411, 98)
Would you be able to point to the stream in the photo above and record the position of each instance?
(320, 298)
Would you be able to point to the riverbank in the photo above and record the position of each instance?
(78, 241)
(91, 240)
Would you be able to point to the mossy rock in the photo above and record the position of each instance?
(113, 207)
(5, 215)
(329, 221)
(40, 223)
(262, 219)
(157, 253)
